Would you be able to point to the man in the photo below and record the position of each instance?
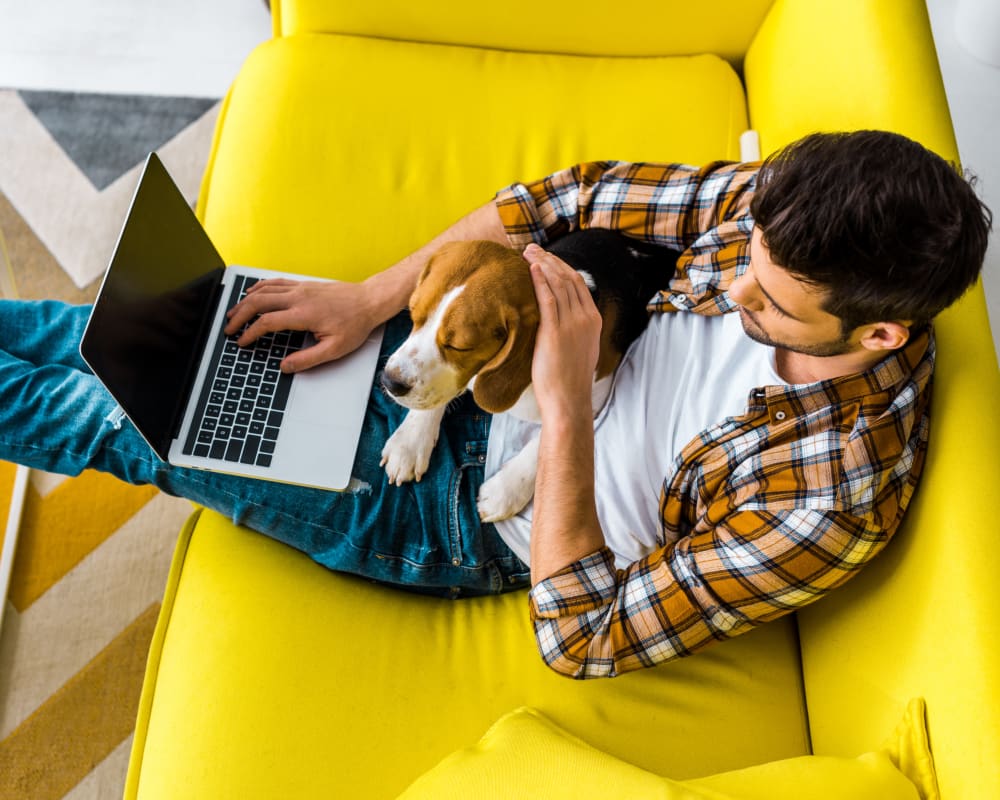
(753, 456)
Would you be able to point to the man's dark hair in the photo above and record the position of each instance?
(886, 228)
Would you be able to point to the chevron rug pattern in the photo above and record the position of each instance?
(92, 554)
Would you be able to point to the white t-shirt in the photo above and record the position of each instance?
(686, 373)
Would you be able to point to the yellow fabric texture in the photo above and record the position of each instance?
(388, 157)
(588, 27)
(843, 66)
(526, 755)
(272, 677)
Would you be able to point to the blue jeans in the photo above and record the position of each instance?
(57, 417)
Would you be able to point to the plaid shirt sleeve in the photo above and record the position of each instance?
(592, 620)
(703, 212)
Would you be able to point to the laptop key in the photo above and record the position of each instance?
(233, 450)
(250, 450)
(281, 395)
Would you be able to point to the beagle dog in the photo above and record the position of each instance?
(474, 319)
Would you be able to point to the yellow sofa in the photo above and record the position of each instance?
(353, 136)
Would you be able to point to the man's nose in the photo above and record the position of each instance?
(742, 292)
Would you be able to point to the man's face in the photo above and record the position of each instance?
(781, 310)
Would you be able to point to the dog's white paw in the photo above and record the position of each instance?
(407, 453)
(503, 495)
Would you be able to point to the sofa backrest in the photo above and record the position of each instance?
(592, 27)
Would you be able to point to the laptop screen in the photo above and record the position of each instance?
(159, 294)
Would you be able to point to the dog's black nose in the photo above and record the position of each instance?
(392, 386)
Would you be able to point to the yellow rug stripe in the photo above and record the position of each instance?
(7, 472)
(62, 528)
(81, 724)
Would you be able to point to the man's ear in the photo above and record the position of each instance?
(884, 335)
(503, 380)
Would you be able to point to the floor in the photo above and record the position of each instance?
(194, 48)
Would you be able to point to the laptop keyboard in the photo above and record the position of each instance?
(239, 413)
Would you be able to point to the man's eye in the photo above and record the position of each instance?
(777, 310)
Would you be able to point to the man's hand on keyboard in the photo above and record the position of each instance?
(337, 315)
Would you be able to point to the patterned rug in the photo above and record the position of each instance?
(92, 554)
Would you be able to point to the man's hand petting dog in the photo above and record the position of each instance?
(568, 340)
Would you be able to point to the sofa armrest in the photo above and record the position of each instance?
(835, 65)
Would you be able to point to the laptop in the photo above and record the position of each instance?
(155, 340)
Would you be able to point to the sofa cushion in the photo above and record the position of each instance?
(526, 755)
(368, 157)
(272, 677)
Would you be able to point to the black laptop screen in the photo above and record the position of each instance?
(146, 329)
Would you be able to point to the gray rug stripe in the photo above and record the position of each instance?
(106, 135)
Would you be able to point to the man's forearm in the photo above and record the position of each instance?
(390, 289)
(565, 527)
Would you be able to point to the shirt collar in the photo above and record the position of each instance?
(913, 362)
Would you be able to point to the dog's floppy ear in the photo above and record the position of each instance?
(505, 377)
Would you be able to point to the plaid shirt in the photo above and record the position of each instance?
(763, 513)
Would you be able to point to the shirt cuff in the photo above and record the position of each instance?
(588, 584)
(520, 216)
